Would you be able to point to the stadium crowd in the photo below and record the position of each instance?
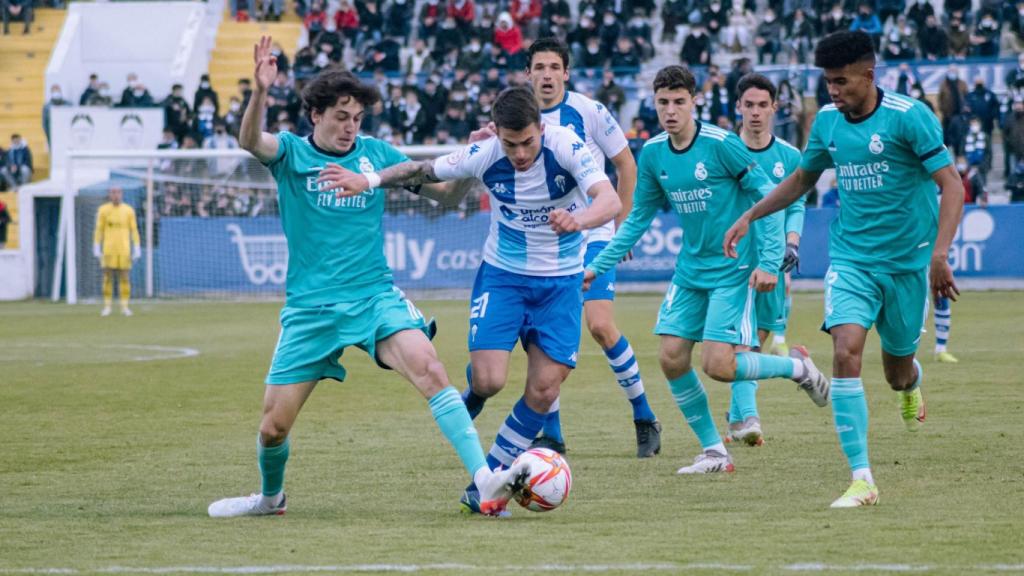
(440, 63)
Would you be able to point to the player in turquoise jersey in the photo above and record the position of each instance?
(778, 159)
(339, 287)
(888, 154)
(709, 178)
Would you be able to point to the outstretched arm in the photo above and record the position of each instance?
(408, 174)
(251, 137)
(787, 192)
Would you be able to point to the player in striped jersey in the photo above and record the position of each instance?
(548, 70)
(529, 286)
(889, 237)
(709, 178)
(778, 158)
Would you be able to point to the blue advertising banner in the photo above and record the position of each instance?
(249, 255)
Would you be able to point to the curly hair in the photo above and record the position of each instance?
(333, 84)
(675, 77)
(843, 48)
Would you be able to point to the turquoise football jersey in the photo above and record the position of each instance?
(335, 245)
(888, 209)
(778, 160)
(708, 185)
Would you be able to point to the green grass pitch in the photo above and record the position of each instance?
(112, 449)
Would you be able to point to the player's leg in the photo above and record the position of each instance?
(731, 321)
(281, 406)
(903, 314)
(410, 353)
(496, 313)
(779, 346)
(108, 290)
(943, 324)
(124, 285)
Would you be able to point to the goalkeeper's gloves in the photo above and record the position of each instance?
(792, 258)
(96, 251)
(136, 252)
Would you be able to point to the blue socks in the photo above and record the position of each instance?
(272, 461)
(850, 410)
(456, 425)
(744, 401)
(553, 422)
(622, 361)
(515, 435)
(757, 366)
(693, 402)
(474, 404)
(942, 323)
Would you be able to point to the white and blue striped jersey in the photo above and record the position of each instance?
(594, 124)
(520, 239)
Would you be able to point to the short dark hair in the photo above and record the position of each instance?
(515, 109)
(843, 48)
(549, 44)
(333, 84)
(675, 77)
(755, 80)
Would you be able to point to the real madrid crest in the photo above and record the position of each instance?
(700, 173)
(876, 145)
(779, 170)
(365, 165)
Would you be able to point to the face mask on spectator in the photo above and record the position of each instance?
(55, 95)
(975, 127)
(206, 108)
(951, 76)
(104, 92)
(321, 60)
(915, 93)
(609, 20)
(138, 93)
(715, 6)
(961, 167)
(204, 85)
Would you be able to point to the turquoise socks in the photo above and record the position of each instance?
(693, 402)
(452, 418)
(744, 401)
(850, 411)
(756, 366)
(272, 460)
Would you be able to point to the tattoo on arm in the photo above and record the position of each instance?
(409, 174)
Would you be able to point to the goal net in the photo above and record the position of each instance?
(210, 227)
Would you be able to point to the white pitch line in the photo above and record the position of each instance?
(162, 352)
(453, 567)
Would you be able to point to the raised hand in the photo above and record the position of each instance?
(266, 64)
(342, 181)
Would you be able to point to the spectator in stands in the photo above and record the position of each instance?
(464, 13)
(896, 48)
(92, 88)
(959, 36)
(697, 47)
(206, 91)
(905, 80)
(455, 122)
(221, 140)
(5, 219)
(673, 15)
(890, 8)
(242, 10)
(127, 100)
(867, 21)
(431, 14)
(204, 120)
(508, 35)
(305, 64)
(638, 29)
(611, 94)
(625, 59)
(932, 39)
(346, 20)
(738, 35)
(556, 19)
(609, 32)
(315, 20)
(415, 125)
(984, 105)
(834, 20)
(101, 97)
(919, 12)
(1015, 77)
(271, 10)
(974, 184)
(714, 18)
(526, 14)
(952, 105)
(1015, 30)
(592, 56)
(17, 163)
(177, 113)
(789, 113)
(769, 37)
(917, 93)
(472, 57)
(715, 96)
(985, 39)
(17, 10)
(398, 20)
(799, 36)
(977, 148)
(56, 99)
(167, 141)
(284, 95)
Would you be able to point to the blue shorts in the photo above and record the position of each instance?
(896, 304)
(603, 287)
(723, 314)
(771, 307)
(312, 340)
(542, 310)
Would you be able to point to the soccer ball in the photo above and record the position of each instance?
(549, 481)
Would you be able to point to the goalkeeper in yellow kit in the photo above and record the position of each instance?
(116, 244)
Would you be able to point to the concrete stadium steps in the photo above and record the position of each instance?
(232, 56)
(23, 61)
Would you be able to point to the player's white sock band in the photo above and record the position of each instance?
(863, 474)
(798, 369)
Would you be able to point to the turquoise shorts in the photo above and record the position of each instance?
(771, 307)
(897, 303)
(719, 314)
(312, 340)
